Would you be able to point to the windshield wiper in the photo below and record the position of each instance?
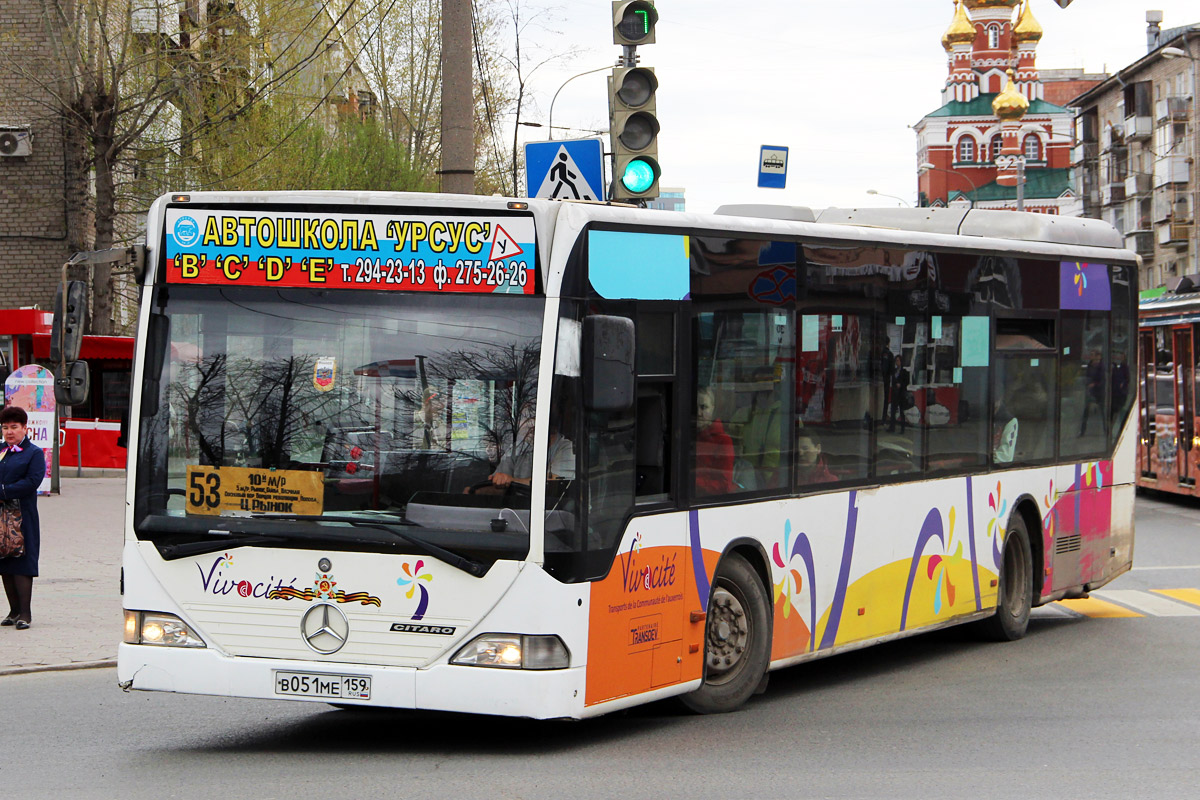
(467, 565)
(227, 540)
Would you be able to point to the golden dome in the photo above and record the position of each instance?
(973, 4)
(1028, 29)
(961, 31)
(1010, 104)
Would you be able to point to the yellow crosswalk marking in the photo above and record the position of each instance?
(1093, 607)
(1186, 595)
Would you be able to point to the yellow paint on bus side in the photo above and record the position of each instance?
(1093, 607)
(1191, 596)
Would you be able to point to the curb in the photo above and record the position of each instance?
(57, 667)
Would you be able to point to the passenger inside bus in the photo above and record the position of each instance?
(760, 425)
(810, 462)
(714, 448)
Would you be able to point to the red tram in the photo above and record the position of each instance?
(1169, 346)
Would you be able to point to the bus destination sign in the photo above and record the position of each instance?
(291, 249)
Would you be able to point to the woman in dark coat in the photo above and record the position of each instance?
(22, 469)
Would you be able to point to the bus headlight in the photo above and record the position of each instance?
(159, 628)
(514, 651)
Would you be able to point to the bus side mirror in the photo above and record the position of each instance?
(608, 363)
(70, 316)
(72, 387)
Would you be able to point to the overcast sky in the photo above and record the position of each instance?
(838, 82)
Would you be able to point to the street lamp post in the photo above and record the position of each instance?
(926, 166)
(550, 120)
(1004, 162)
(1177, 52)
(892, 196)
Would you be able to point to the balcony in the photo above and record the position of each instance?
(1085, 151)
(1170, 169)
(1112, 193)
(1172, 109)
(1137, 183)
(1137, 128)
(1175, 234)
(1141, 242)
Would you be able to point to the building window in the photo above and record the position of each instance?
(993, 34)
(1033, 148)
(997, 146)
(966, 149)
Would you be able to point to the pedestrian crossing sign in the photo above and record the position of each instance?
(569, 169)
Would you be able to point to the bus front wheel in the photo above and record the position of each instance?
(1016, 586)
(736, 639)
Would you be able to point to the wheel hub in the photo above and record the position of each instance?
(728, 634)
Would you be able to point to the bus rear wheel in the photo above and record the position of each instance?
(1016, 587)
(736, 639)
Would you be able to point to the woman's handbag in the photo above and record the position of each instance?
(12, 540)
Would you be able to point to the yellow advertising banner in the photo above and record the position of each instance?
(212, 491)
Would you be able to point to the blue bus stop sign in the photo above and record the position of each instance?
(569, 169)
(772, 167)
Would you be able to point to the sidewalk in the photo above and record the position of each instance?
(77, 618)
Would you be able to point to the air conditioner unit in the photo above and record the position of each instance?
(16, 141)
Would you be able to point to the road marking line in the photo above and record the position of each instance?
(1053, 610)
(1159, 569)
(1148, 603)
(1094, 607)
(1186, 595)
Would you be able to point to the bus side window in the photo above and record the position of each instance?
(653, 451)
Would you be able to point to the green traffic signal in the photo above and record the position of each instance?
(633, 22)
(639, 176)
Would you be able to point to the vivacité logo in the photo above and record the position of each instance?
(637, 575)
(187, 231)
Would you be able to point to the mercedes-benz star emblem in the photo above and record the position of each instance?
(324, 628)
(324, 565)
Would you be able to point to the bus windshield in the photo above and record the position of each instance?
(316, 405)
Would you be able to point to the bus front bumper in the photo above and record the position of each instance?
(540, 694)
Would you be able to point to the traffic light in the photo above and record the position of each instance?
(633, 132)
(633, 22)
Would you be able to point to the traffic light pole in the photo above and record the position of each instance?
(633, 120)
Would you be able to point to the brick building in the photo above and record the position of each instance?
(39, 226)
(1136, 159)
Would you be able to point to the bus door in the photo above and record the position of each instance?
(1166, 425)
(1147, 405)
(1184, 405)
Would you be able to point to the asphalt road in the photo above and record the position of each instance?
(1084, 706)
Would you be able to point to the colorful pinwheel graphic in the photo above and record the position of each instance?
(995, 525)
(1051, 499)
(227, 561)
(1080, 278)
(938, 570)
(938, 567)
(414, 574)
(1092, 475)
(790, 585)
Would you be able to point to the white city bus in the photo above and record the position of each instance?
(554, 459)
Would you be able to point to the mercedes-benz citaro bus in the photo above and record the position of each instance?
(551, 459)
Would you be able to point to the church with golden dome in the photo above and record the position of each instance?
(995, 128)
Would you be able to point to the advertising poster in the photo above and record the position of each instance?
(31, 387)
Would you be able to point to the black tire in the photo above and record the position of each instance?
(737, 639)
(1015, 596)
